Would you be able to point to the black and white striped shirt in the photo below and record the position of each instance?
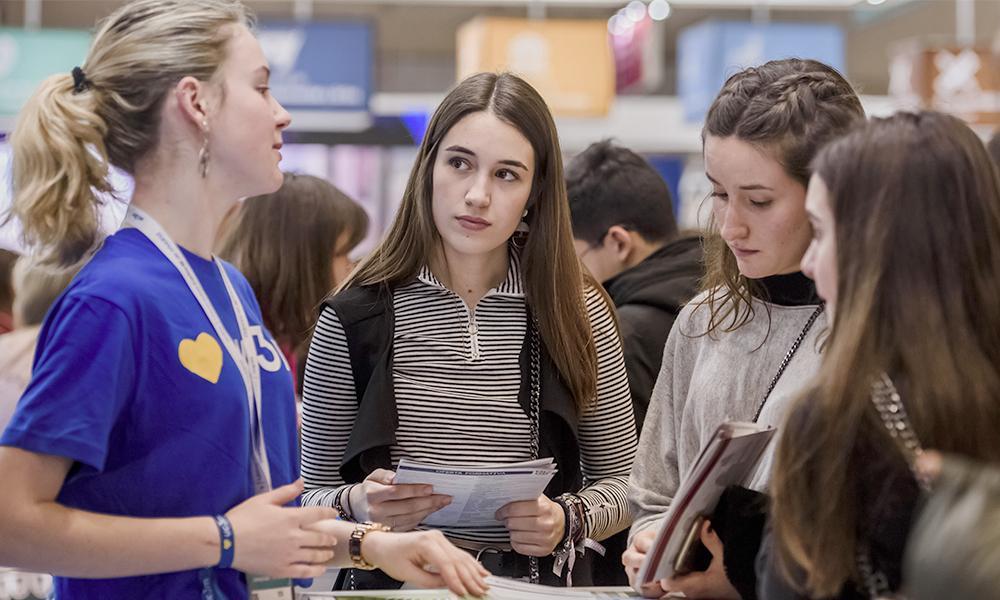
(457, 375)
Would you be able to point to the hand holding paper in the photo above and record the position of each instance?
(477, 493)
(535, 526)
(399, 505)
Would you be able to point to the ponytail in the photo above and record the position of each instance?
(59, 165)
(68, 135)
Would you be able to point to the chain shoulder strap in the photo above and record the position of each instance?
(788, 358)
(896, 420)
(533, 416)
(536, 384)
(892, 412)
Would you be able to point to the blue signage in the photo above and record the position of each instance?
(320, 66)
(709, 52)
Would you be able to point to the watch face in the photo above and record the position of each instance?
(354, 546)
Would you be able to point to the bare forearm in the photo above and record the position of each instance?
(49, 537)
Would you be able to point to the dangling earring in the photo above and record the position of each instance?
(203, 154)
(520, 237)
(522, 227)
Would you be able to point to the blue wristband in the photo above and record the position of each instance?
(227, 542)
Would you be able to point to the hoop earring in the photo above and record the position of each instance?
(520, 237)
(203, 154)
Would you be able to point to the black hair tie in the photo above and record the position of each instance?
(80, 82)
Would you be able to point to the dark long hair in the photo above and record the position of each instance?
(554, 281)
(916, 207)
(789, 108)
(284, 244)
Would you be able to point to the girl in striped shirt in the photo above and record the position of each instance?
(471, 336)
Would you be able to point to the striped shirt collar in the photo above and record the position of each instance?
(512, 285)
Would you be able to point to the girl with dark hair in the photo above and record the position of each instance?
(745, 346)
(470, 335)
(906, 253)
(293, 246)
(141, 459)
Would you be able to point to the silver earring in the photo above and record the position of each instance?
(520, 237)
(203, 154)
(522, 227)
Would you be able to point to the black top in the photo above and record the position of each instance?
(792, 289)
(886, 503)
(648, 297)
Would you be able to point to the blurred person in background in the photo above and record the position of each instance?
(906, 253)
(954, 548)
(36, 287)
(744, 348)
(294, 246)
(7, 260)
(154, 453)
(471, 336)
(625, 234)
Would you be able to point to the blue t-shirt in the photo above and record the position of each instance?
(132, 383)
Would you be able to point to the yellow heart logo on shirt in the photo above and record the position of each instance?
(202, 356)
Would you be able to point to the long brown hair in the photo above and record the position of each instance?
(554, 281)
(283, 243)
(65, 137)
(789, 108)
(916, 207)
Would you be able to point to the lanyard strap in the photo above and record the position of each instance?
(244, 353)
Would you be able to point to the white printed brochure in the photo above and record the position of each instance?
(477, 492)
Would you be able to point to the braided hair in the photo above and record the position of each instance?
(788, 108)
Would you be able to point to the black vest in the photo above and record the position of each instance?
(366, 314)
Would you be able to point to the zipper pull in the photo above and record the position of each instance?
(474, 339)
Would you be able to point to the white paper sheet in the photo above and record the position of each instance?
(477, 493)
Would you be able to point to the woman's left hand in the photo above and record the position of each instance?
(535, 526)
(711, 583)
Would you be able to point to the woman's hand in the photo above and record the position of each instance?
(633, 558)
(270, 538)
(535, 526)
(426, 559)
(401, 506)
(711, 583)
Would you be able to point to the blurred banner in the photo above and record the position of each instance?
(28, 57)
(568, 61)
(962, 81)
(709, 52)
(320, 66)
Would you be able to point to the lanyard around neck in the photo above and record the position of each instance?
(244, 353)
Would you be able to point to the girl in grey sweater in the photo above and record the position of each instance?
(749, 342)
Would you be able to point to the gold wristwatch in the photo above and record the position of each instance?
(354, 544)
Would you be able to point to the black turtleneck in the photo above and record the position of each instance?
(792, 289)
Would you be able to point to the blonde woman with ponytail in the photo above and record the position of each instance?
(154, 451)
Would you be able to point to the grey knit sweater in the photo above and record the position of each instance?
(705, 380)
